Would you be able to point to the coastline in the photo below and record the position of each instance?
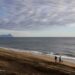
(14, 62)
(67, 60)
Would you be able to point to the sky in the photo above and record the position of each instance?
(37, 18)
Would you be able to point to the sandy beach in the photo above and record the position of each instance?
(33, 63)
(66, 60)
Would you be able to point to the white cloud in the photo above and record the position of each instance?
(44, 20)
(71, 25)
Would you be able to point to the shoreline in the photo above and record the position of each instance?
(13, 62)
(69, 61)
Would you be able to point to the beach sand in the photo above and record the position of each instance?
(14, 62)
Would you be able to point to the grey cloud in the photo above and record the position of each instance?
(34, 14)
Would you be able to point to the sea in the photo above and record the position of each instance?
(47, 45)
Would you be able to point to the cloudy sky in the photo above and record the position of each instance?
(45, 18)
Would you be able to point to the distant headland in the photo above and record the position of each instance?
(6, 35)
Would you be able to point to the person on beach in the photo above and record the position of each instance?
(55, 58)
(60, 59)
